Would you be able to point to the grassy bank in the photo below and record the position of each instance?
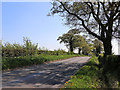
(13, 62)
(86, 77)
(91, 76)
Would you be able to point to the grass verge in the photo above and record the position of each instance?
(14, 62)
(92, 76)
(86, 77)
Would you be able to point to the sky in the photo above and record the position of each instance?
(29, 19)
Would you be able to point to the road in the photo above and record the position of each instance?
(50, 75)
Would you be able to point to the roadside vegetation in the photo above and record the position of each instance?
(94, 25)
(110, 70)
(86, 77)
(73, 40)
(16, 55)
(100, 22)
(15, 62)
(93, 75)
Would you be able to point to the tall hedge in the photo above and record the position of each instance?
(110, 66)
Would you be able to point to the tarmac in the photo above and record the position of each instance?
(49, 75)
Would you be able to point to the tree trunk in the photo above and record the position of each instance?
(107, 47)
(71, 49)
(79, 49)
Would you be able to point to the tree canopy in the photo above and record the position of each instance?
(98, 46)
(72, 39)
(99, 19)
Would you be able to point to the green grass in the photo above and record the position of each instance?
(13, 62)
(91, 76)
(86, 77)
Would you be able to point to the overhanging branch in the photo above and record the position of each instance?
(83, 24)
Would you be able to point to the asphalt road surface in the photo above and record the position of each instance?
(50, 75)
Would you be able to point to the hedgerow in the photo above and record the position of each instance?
(13, 62)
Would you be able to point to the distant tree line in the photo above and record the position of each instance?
(28, 48)
(73, 40)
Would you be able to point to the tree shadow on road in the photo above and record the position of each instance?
(46, 74)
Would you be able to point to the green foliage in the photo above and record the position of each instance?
(110, 67)
(13, 62)
(73, 40)
(55, 52)
(91, 76)
(95, 19)
(98, 46)
(86, 77)
(81, 44)
(86, 49)
(15, 50)
(69, 39)
(29, 48)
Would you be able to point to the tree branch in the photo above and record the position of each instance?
(117, 9)
(98, 9)
(87, 29)
(96, 17)
(104, 10)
